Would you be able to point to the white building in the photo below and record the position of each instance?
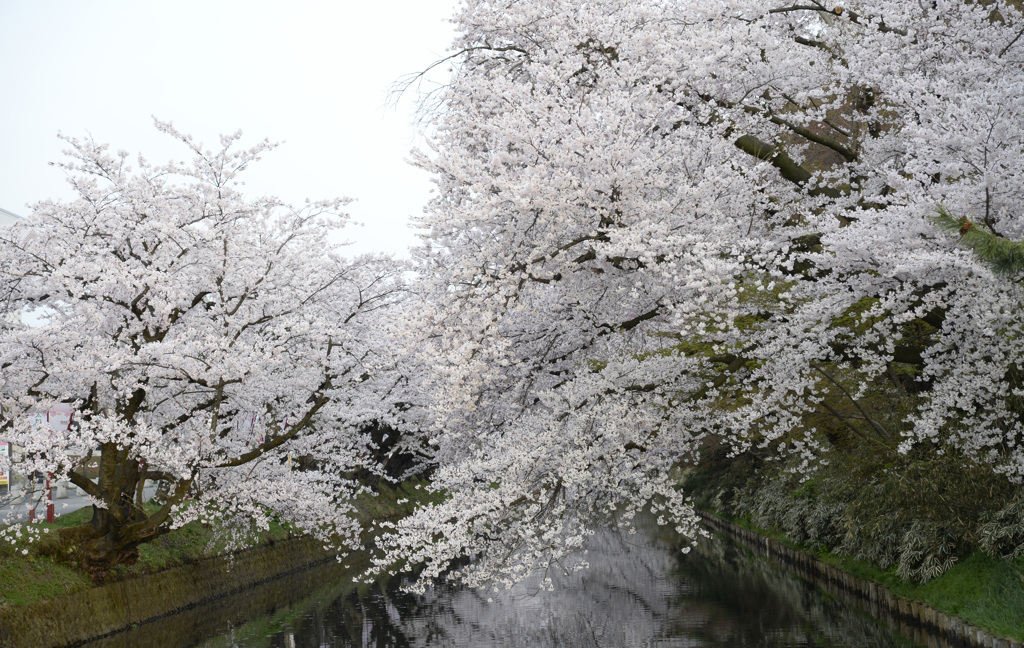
(8, 218)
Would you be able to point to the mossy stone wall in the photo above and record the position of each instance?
(76, 618)
(913, 619)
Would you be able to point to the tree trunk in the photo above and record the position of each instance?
(101, 544)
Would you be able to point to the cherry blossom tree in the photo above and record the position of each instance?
(220, 344)
(663, 225)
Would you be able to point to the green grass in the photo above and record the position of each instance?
(985, 591)
(26, 579)
(29, 577)
(393, 503)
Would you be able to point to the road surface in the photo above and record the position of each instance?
(14, 507)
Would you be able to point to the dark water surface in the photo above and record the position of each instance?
(640, 591)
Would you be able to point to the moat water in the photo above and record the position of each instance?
(641, 591)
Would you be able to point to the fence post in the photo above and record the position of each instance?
(49, 497)
(31, 494)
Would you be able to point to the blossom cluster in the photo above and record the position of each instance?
(664, 227)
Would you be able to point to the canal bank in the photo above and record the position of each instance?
(43, 603)
(186, 599)
(914, 619)
(639, 590)
(111, 608)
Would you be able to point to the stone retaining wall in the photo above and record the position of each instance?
(913, 619)
(76, 618)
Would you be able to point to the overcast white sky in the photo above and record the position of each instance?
(314, 74)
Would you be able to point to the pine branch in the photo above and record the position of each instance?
(1001, 254)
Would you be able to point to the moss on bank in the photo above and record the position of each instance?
(985, 591)
(932, 524)
(27, 575)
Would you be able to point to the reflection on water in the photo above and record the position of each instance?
(640, 591)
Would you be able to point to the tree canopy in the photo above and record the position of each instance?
(221, 345)
(665, 227)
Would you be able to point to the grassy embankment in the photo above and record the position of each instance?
(985, 591)
(26, 576)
